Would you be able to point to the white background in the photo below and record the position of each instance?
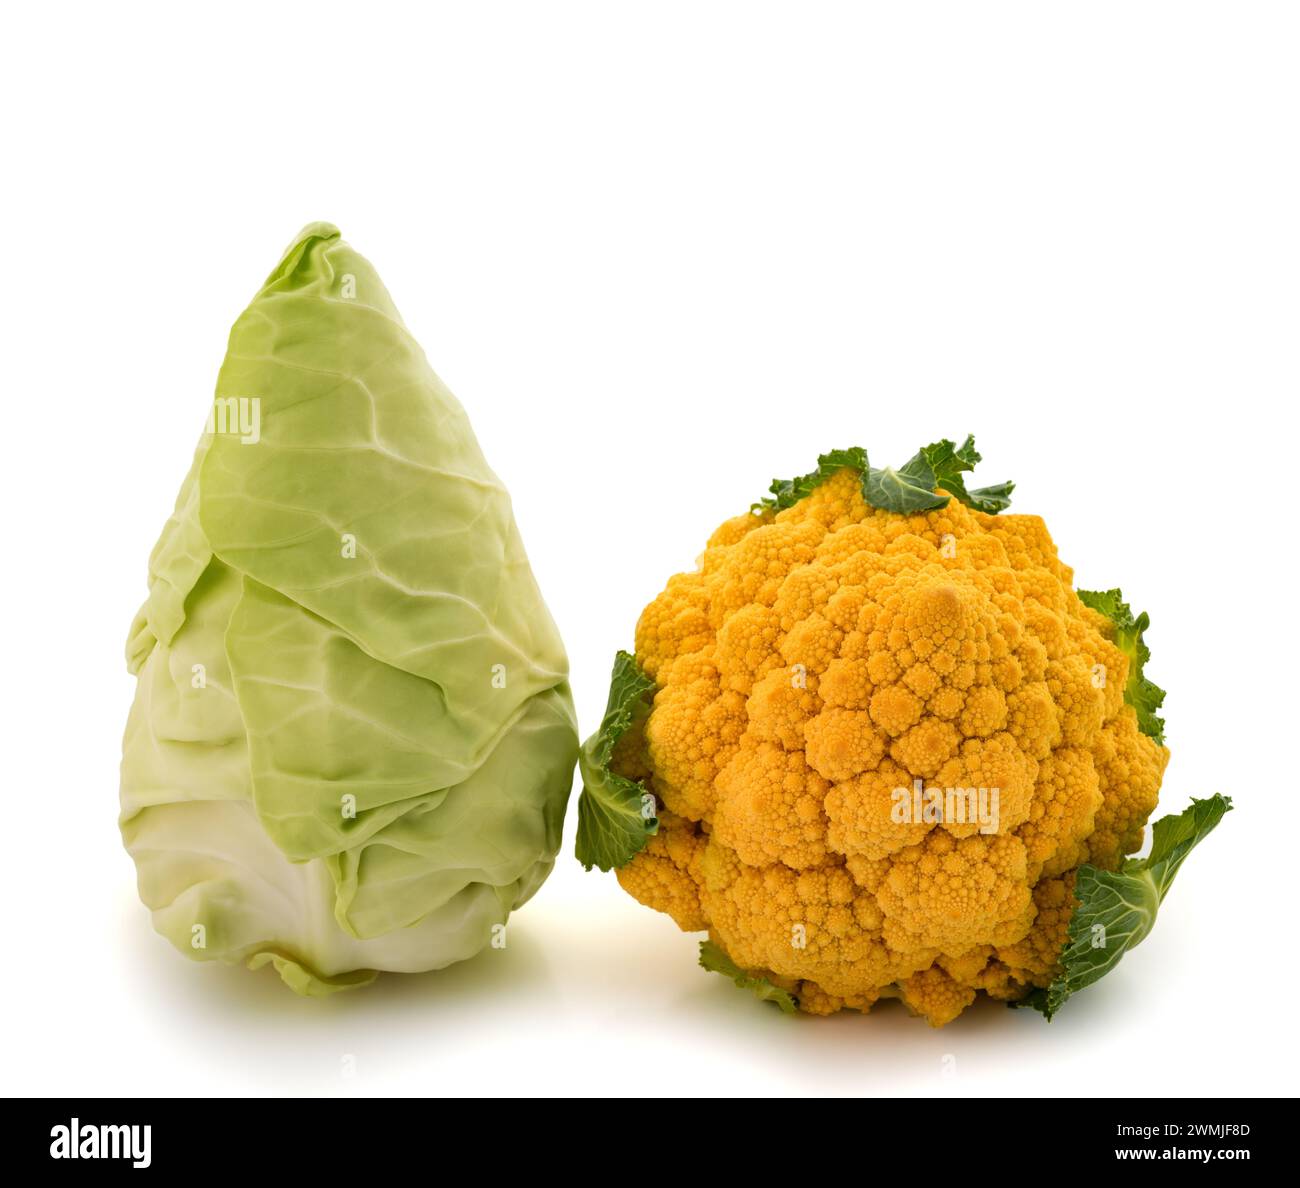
(662, 252)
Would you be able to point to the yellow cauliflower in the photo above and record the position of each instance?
(870, 741)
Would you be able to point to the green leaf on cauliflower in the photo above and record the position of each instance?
(907, 490)
(992, 499)
(1144, 696)
(787, 492)
(1117, 909)
(948, 462)
(615, 814)
(715, 960)
(911, 488)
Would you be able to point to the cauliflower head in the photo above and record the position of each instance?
(870, 741)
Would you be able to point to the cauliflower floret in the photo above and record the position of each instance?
(935, 996)
(952, 894)
(666, 875)
(1032, 960)
(863, 814)
(1130, 767)
(1065, 803)
(769, 808)
(841, 743)
(691, 734)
